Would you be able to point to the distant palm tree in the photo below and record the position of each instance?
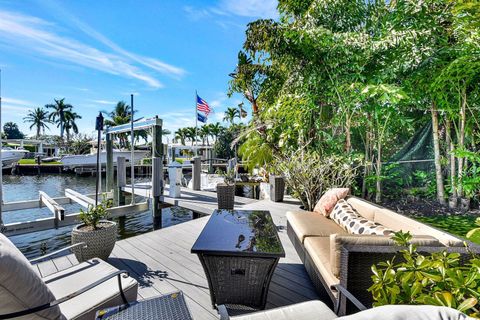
(181, 135)
(121, 114)
(191, 134)
(58, 114)
(70, 123)
(215, 130)
(231, 114)
(204, 132)
(38, 117)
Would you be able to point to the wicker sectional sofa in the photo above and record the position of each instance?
(333, 256)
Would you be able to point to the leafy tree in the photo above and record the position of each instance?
(39, 119)
(58, 113)
(70, 123)
(121, 114)
(181, 135)
(11, 131)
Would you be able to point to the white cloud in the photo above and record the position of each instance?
(251, 8)
(37, 36)
(266, 9)
(16, 101)
(104, 102)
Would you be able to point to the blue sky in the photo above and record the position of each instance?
(95, 53)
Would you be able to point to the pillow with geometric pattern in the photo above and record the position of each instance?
(361, 225)
(343, 213)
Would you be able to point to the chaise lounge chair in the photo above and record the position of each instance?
(74, 293)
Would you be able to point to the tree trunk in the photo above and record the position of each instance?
(38, 132)
(348, 137)
(451, 161)
(366, 167)
(436, 148)
(378, 192)
(461, 139)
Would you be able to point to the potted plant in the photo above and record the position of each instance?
(98, 234)
(226, 191)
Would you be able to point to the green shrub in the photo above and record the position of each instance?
(93, 215)
(435, 279)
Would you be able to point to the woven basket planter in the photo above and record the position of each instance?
(99, 242)
(277, 188)
(225, 196)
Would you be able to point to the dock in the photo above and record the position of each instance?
(162, 263)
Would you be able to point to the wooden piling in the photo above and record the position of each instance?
(157, 170)
(121, 181)
(109, 147)
(196, 173)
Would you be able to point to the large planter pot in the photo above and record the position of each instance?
(99, 242)
(225, 196)
(277, 188)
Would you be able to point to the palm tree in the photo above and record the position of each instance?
(121, 114)
(191, 134)
(181, 135)
(231, 114)
(70, 123)
(58, 114)
(38, 117)
(216, 129)
(204, 132)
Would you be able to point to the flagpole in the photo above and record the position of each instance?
(196, 123)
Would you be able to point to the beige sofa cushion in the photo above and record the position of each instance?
(305, 310)
(363, 207)
(399, 222)
(104, 295)
(329, 199)
(338, 241)
(319, 250)
(20, 286)
(312, 224)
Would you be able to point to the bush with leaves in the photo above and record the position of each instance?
(92, 216)
(437, 279)
(309, 175)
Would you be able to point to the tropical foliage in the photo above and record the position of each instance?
(11, 131)
(436, 279)
(359, 78)
(63, 116)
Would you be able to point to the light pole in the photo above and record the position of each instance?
(99, 128)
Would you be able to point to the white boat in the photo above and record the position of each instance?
(11, 156)
(85, 160)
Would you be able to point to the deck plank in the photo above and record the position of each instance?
(162, 263)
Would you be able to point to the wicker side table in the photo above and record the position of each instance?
(167, 307)
(239, 250)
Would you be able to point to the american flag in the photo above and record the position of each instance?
(203, 106)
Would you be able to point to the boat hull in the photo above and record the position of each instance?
(87, 160)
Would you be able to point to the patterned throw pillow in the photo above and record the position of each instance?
(343, 213)
(327, 202)
(361, 225)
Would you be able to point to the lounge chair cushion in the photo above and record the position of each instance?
(318, 248)
(104, 295)
(20, 286)
(338, 241)
(408, 312)
(329, 199)
(312, 224)
(305, 310)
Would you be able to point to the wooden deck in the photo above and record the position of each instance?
(161, 262)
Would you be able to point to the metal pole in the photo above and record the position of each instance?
(196, 123)
(1, 163)
(132, 152)
(98, 127)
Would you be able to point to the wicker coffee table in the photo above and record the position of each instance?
(166, 307)
(239, 250)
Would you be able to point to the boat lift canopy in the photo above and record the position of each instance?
(137, 125)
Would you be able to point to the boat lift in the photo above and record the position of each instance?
(60, 219)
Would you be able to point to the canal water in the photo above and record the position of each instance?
(17, 188)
